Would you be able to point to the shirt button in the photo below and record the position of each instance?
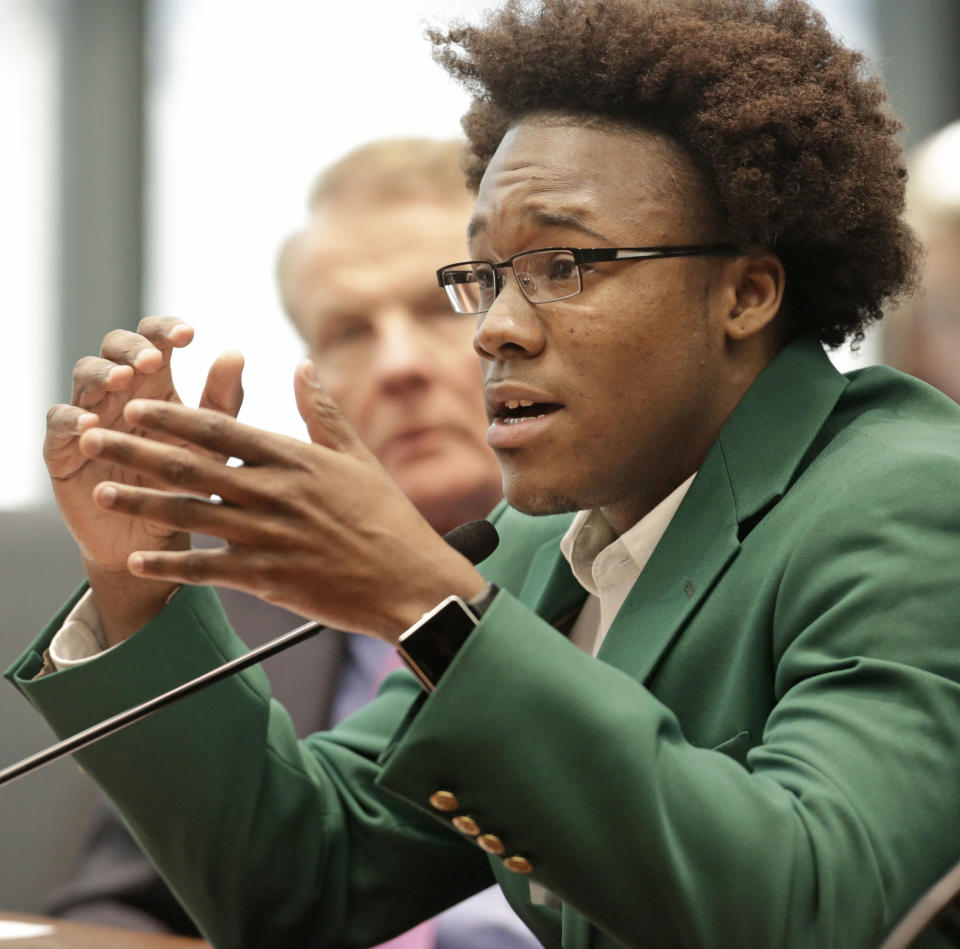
(444, 801)
(466, 825)
(518, 864)
(491, 843)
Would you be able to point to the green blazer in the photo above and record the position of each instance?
(765, 754)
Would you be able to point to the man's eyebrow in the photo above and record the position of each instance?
(476, 225)
(572, 218)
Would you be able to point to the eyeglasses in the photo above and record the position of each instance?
(548, 274)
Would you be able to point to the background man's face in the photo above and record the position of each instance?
(625, 375)
(390, 351)
(932, 318)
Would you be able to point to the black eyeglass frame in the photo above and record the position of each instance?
(581, 255)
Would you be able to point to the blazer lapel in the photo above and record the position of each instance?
(550, 588)
(760, 451)
(699, 543)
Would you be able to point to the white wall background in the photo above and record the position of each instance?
(28, 79)
(250, 101)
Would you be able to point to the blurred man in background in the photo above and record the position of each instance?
(922, 337)
(358, 282)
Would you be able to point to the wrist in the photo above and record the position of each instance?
(461, 579)
(125, 603)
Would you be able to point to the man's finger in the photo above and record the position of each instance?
(322, 416)
(181, 512)
(188, 566)
(215, 431)
(165, 332)
(147, 350)
(65, 423)
(131, 349)
(220, 566)
(223, 391)
(176, 467)
(93, 377)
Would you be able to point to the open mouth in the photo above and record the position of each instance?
(516, 411)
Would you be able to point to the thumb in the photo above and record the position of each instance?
(223, 391)
(322, 416)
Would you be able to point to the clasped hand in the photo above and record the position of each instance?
(318, 528)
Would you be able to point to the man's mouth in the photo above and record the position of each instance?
(516, 411)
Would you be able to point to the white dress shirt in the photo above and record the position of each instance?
(607, 566)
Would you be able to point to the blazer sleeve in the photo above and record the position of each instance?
(113, 883)
(266, 840)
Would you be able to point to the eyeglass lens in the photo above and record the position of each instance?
(544, 276)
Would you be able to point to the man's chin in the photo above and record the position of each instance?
(538, 504)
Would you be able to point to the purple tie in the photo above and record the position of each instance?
(420, 937)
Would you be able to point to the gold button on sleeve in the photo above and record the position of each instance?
(444, 801)
(466, 825)
(491, 843)
(518, 864)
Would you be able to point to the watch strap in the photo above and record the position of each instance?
(428, 647)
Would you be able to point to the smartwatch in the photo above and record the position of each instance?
(428, 647)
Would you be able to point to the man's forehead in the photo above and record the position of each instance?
(355, 255)
(337, 224)
(585, 177)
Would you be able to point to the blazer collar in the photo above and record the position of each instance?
(759, 452)
(767, 437)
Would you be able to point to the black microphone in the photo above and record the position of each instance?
(476, 540)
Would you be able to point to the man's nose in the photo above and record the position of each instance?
(402, 357)
(512, 328)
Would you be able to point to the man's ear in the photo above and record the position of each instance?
(758, 283)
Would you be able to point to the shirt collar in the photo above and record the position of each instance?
(589, 535)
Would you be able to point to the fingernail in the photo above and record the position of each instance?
(115, 371)
(134, 410)
(108, 496)
(93, 442)
(85, 420)
(135, 563)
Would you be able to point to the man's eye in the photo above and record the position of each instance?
(342, 333)
(561, 268)
(483, 277)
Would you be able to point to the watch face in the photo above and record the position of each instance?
(430, 645)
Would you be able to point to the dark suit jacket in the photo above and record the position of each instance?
(765, 753)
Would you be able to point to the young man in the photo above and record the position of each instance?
(748, 738)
